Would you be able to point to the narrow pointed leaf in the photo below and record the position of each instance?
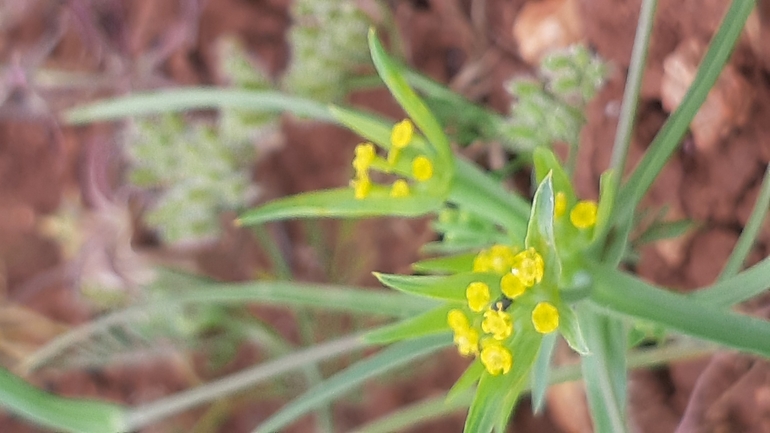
(339, 203)
(393, 357)
(540, 235)
(430, 322)
(569, 327)
(61, 414)
(408, 99)
(466, 381)
(623, 294)
(540, 372)
(446, 265)
(448, 288)
(195, 98)
(605, 370)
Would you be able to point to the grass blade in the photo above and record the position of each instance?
(667, 140)
(195, 98)
(395, 356)
(62, 414)
(604, 371)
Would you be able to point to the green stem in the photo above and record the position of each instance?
(750, 232)
(62, 414)
(196, 98)
(620, 293)
(739, 288)
(667, 140)
(632, 90)
(438, 407)
(149, 413)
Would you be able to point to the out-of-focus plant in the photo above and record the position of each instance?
(197, 169)
(551, 109)
(326, 47)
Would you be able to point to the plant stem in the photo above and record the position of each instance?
(667, 140)
(632, 90)
(147, 414)
(750, 231)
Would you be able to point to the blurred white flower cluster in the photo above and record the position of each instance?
(328, 42)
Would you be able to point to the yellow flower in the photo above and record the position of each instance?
(361, 187)
(457, 320)
(583, 215)
(501, 258)
(478, 296)
(528, 265)
(422, 168)
(467, 341)
(497, 259)
(498, 323)
(401, 134)
(482, 262)
(512, 286)
(560, 204)
(365, 154)
(496, 358)
(399, 189)
(545, 317)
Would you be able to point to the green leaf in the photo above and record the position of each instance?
(446, 265)
(623, 294)
(466, 381)
(430, 322)
(604, 371)
(739, 288)
(540, 234)
(667, 140)
(61, 414)
(607, 193)
(340, 203)
(546, 162)
(448, 288)
(420, 412)
(492, 399)
(569, 327)
(393, 357)
(195, 98)
(410, 102)
(540, 371)
(666, 230)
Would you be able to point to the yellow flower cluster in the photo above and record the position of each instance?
(488, 331)
(400, 137)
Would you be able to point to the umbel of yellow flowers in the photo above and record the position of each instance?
(485, 328)
(365, 155)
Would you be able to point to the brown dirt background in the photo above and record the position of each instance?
(41, 161)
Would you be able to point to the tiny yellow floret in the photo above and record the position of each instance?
(401, 134)
(362, 186)
(560, 204)
(478, 296)
(482, 262)
(512, 286)
(399, 189)
(457, 320)
(365, 154)
(498, 323)
(545, 317)
(583, 215)
(501, 258)
(422, 168)
(467, 341)
(528, 265)
(496, 358)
